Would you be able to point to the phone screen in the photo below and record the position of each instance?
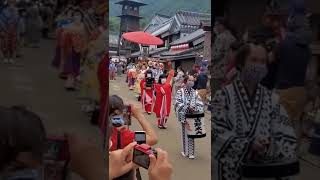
(140, 158)
(56, 159)
(140, 137)
(55, 149)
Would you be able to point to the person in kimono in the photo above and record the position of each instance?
(147, 91)
(187, 101)
(162, 104)
(248, 122)
(140, 77)
(90, 84)
(9, 22)
(77, 36)
(132, 75)
(178, 80)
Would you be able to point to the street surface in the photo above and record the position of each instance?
(32, 82)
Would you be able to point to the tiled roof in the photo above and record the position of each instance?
(183, 21)
(137, 2)
(190, 21)
(191, 37)
(156, 21)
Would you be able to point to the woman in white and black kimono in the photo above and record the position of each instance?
(187, 101)
(248, 123)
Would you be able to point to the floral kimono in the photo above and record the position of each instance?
(140, 77)
(90, 84)
(184, 101)
(238, 121)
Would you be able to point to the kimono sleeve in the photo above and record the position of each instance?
(221, 126)
(199, 103)
(284, 135)
(228, 148)
(180, 107)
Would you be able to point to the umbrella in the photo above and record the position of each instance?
(142, 38)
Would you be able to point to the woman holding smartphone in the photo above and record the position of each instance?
(120, 119)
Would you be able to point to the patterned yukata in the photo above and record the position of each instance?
(185, 100)
(238, 121)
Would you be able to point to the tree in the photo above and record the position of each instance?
(114, 24)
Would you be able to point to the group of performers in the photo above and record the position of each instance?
(152, 81)
(153, 87)
(81, 44)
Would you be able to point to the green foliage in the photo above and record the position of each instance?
(114, 24)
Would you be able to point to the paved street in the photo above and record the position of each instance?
(34, 83)
(169, 140)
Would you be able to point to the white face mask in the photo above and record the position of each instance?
(149, 75)
(163, 81)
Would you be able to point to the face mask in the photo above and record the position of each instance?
(148, 75)
(163, 81)
(190, 84)
(254, 73)
(117, 120)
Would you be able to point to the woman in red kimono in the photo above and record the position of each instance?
(147, 91)
(162, 105)
(103, 77)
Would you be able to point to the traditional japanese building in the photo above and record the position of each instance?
(185, 51)
(184, 38)
(181, 24)
(130, 22)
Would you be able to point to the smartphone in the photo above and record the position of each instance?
(140, 137)
(141, 155)
(56, 158)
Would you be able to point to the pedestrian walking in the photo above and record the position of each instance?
(188, 104)
(163, 96)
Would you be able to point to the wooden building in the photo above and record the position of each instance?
(130, 22)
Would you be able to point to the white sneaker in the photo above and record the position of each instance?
(182, 153)
(192, 157)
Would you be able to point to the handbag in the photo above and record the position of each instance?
(196, 124)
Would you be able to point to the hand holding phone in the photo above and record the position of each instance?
(160, 167)
(56, 158)
(141, 155)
